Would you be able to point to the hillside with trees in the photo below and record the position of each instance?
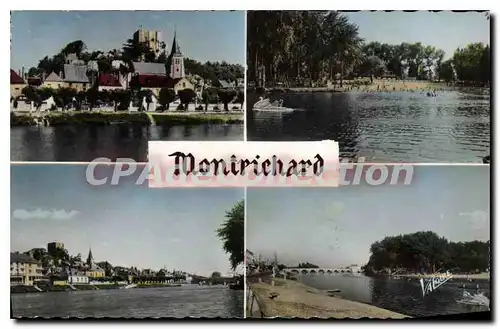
(130, 52)
(302, 48)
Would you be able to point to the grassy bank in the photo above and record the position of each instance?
(143, 119)
(21, 120)
(294, 299)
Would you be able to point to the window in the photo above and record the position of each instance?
(183, 85)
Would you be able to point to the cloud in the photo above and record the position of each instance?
(54, 214)
(175, 240)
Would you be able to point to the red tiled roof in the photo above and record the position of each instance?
(15, 79)
(153, 81)
(108, 80)
(34, 82)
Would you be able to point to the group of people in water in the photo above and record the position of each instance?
(430, 92)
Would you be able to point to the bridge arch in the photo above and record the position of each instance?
(321, 271)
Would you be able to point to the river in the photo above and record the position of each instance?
(382, 127)
(84, 144)
(187, 301)
(399, 296)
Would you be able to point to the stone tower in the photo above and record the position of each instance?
(176, 60)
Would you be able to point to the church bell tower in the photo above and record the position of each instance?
(176, 60)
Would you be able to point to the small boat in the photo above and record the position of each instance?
(262, 103)
(475, 300)
(117, 122)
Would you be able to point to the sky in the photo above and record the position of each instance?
(334, 227)
(202, 35)
(443, 30)
(127, 225)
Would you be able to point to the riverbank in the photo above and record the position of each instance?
(472, 277)
(375, 86)
(20, 289)
(287, 298)
(122, 118)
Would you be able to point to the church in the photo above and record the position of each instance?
(154, 76)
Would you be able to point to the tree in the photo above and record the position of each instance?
(215, 275)
(231, 233)
(240, 98)
(166, 96)
(226, 96)
(186, 96)
(75, 47)
(374, 66)
(427, 252)
(136, 51)
(445, 71)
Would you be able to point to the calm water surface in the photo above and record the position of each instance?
(193, 301)
(383, 127)
(72, 143)
(399, 296)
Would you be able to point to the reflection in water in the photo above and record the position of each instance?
(75, 143)
(194, 301)
(399, 296)
(383, 127)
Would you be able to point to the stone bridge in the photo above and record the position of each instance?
(321, 270)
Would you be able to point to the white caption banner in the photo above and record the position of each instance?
(239, 164)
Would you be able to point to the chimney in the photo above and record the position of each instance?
(22, 72)
(43, 76)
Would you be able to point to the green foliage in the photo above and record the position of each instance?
(307, 265)
(445, 71)
(166, 96)
(210, 96)
(240, 97)
(301, 47)
(75, 47)
(186, 96)
(472, 63)
(427, 252)
(130, 52)
(123, 98)
(232, 233)
(374, 66)
(215, 275)
(214, 71)
(226, 96)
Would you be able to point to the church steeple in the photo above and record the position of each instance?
(90, 259)
(176, 60)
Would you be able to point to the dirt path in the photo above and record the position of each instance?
(295, 299)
